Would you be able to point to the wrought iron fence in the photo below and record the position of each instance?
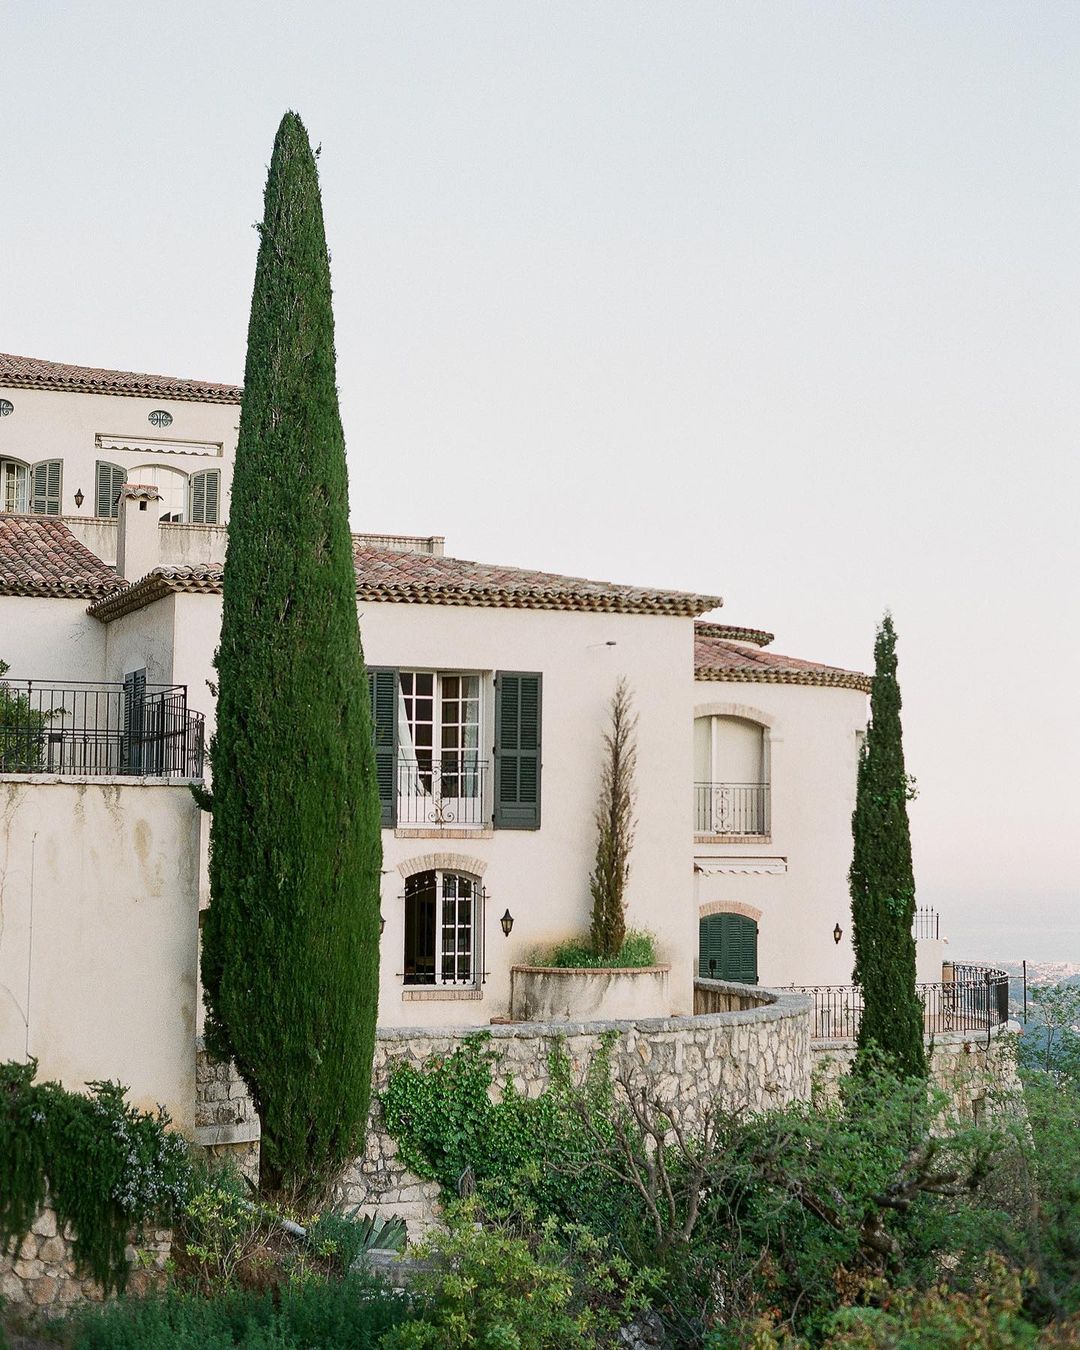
(975, 999)
(731, 808)
(77, 727)
(443, 789)
(925, 924)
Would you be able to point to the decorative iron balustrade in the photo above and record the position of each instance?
(926, 924)
(447, 789)
(99, 730)
(731, 808)
(976, 999)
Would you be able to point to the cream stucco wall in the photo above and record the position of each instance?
(541, 876)
(98, 921)
(50, 639)
(799, 892)
(55, 424)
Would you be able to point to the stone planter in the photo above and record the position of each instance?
(582, 994)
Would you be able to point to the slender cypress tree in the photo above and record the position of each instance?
(614, 826)
(881, 878)
(290, 945)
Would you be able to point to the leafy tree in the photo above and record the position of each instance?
(290, 947)
(881, 878)
(614, 826)
(1051, 1041)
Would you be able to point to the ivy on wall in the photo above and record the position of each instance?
(452, 1128)
(102, 1165)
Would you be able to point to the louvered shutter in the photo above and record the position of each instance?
(45, 479)
(110, 478)
(383, 688)
(517, 750)
(134, 739)
(730, 941)
(205, 491)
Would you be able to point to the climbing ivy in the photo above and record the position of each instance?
(451, 1128)
(103, 1165)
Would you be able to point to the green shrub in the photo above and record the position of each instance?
(344, 1237)
(105, 1166)
(22, 730)
(638, 949)
(501, 1285)
(356, 1313)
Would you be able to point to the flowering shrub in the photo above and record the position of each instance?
(103, 1165)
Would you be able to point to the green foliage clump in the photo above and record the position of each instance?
(356, 1312)
(22, 730)
(517, 1147)
(881, 878)
(614, 826)
(290, 945)
(512, 1284)
(104, 1167)
(638, 949)
(346, 1237)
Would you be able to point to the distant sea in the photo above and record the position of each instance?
(1021, 937)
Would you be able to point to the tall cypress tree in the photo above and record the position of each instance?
(290, 944)
(881, 878)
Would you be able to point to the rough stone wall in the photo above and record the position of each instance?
(40, 1276)
(752, 1057)
(978, 1076)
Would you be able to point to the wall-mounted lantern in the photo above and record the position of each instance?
(506, 923)
(79, 498)
(382, 925)
(837, 934)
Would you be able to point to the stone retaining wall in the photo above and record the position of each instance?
(40, 1277)
(978, 1074)
(753, 1057)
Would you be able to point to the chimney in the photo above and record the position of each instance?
(137, 545)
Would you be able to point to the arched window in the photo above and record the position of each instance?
(171, 483)
(731, 776)
(443, 929)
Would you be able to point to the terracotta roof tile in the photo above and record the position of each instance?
(40, 556)
(718, 657)
(27, 372)
(421, 578)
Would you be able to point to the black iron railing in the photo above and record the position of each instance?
(925, 924)
(731, 808)
(77, 727)
(444, 789)
(976, 998)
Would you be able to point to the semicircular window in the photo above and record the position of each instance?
(6, 407)
(160, 418)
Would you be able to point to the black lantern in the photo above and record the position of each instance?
(79, 498)
(382, 925)
(837, 934)
(506, 923)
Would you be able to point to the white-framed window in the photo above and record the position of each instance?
(731, 776)
(443, 929)
(14, 485)
(440, 776)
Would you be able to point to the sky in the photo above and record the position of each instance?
(777, 301)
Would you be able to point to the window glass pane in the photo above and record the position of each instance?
(172, 485)
(14, 486)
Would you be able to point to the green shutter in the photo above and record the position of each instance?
(731, 941)
(45, 479)
(383, 687)
(109, 479)
(205, 490)
(517, 750)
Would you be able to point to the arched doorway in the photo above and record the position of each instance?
(727, 948)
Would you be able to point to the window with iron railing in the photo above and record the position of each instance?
(731, 770)
(443, 930)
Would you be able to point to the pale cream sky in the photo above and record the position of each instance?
(776, 299)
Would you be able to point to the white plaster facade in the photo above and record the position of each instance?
(785, 872)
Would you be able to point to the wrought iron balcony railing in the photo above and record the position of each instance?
(975, 999)
(731, 808)
(926, 924)
(447, 789)
(100, 730)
